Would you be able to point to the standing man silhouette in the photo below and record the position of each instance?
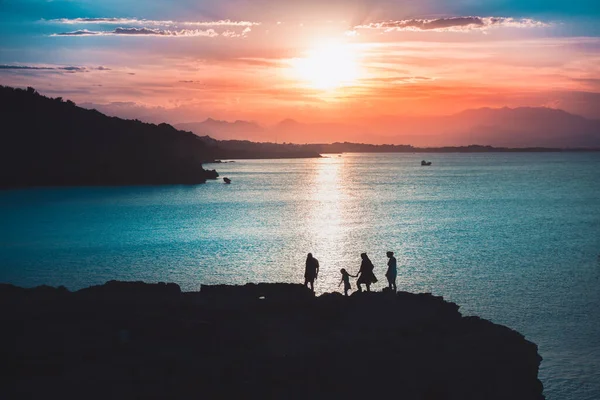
(311, 272)
(392, 271)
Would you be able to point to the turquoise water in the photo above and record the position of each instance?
(514, 238)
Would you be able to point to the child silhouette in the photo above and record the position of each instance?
(346, 279)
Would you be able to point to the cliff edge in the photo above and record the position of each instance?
(137, 340)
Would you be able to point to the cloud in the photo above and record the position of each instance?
(74, 69)
(148, 22)
(453, 24)
(75, 21)
(81, 32)
(67, 69)
(164, 28)
(230, 33)
(158, 32)
(23, 67)
(143, 32)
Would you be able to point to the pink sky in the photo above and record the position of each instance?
(313, 70)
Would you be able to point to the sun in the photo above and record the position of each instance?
(328, 66)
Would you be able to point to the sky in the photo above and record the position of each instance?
(310, 60)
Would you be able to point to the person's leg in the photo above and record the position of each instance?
(395, 288)
(368, 287)
(312, 285)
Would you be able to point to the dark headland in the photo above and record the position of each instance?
(131, 340)
(52, 142)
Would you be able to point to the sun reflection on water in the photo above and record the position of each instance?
(328, 223)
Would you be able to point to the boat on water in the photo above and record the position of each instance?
(425, 163)
(226, 180)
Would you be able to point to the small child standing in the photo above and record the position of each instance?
(346, 279)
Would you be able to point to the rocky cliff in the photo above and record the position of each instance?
(136, 340)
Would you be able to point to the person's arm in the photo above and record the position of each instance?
(317, 270)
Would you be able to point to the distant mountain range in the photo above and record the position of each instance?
(500, 127)
(237, 130)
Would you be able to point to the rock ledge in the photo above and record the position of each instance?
(137, 340)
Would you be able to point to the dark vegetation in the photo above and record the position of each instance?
(126, 340)
(52, 142)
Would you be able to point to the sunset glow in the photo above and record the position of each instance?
(307, 61)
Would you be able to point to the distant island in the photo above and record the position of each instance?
(245, 149)
(347, 147)
(136, 340)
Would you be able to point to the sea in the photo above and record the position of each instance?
(511, 237)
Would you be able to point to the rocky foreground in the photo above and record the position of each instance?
(135, 340)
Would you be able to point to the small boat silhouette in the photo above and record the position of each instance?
(425, 162)
(227, 180)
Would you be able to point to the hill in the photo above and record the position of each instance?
(237, 130)
(522, 127)
(49, 142)
(498, 127)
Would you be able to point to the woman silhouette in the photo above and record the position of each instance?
(365, 273)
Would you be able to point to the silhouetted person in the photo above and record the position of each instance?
(346, 279)
(311, 272)
(366, 273)
(392, 271)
